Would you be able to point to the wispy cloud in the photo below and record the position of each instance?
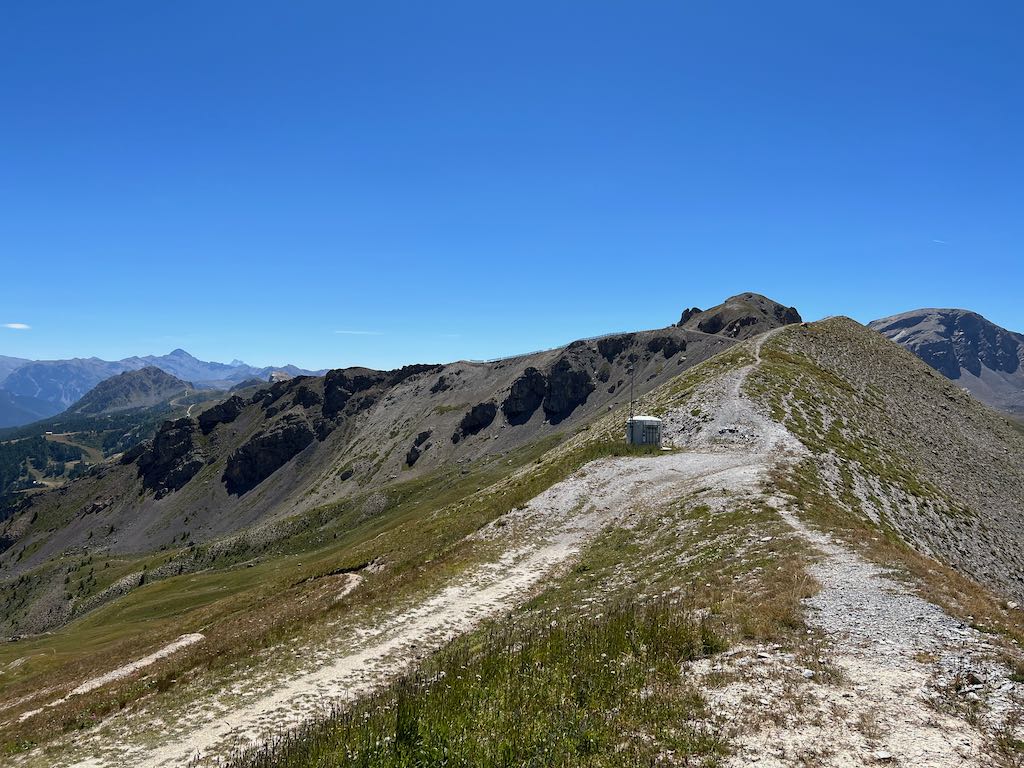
(17, 326)
(360, 333)
(940, 242)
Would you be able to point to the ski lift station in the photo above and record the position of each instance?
(643, 430)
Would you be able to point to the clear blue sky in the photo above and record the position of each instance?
(246, 179)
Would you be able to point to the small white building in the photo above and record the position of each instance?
(643, 430)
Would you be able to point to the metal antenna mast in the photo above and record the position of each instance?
(632, 378)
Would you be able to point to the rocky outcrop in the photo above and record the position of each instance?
(343, 385)
(569, 386)
(525, 396)
(340, 385)
(170, 460)
(610, 347)
(417, 448)
(478, 417)
(669, 346)
(222, 413)
(307, 397)
(740, 317)
(266, 452)
(688, 313)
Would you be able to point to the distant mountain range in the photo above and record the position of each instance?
(131, 390)
(980, 356)
(36, 389)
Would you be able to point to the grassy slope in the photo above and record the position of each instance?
(590, 671)
(903, 465)
(565, 654)
(729, 568)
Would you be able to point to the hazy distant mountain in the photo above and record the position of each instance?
(19, 409)
(980, 356)
(143, 388)
(42, 388)
(9, 365)
(62, 382)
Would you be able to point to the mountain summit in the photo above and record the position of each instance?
(982, 357)
(740, 316)
(143, 388)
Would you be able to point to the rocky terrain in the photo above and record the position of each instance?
(981, 357)
(843, 521)
(324, 439)
(740, 317)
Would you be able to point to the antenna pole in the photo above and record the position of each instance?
(632, 378)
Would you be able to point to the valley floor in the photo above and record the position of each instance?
(881, 677)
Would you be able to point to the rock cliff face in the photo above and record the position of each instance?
(569, 385)
(222, 413)
(170, 460)
(982, 357)
(478, 418)
(525, 396)
(266, 452)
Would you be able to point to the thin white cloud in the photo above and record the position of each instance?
(940, 242)
(18, 326)
(360, 333)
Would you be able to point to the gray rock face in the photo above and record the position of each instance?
(266, 452)
(688, 313)
(569, 385)
(477, 418)
(610, 347)
(222, 413)
(341, 385)
(417, 448)
(669, 346)
(525, 396)
(171, 460)
(979, 355)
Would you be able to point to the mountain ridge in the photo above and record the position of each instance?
(984, 358)
(48, 387)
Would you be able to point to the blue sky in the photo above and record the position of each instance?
(466, 179)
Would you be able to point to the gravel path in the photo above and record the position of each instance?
(900, 655)
(533, 543)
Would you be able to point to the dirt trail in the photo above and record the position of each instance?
(532, 543)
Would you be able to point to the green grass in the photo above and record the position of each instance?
(243, 605)
(602, 691)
